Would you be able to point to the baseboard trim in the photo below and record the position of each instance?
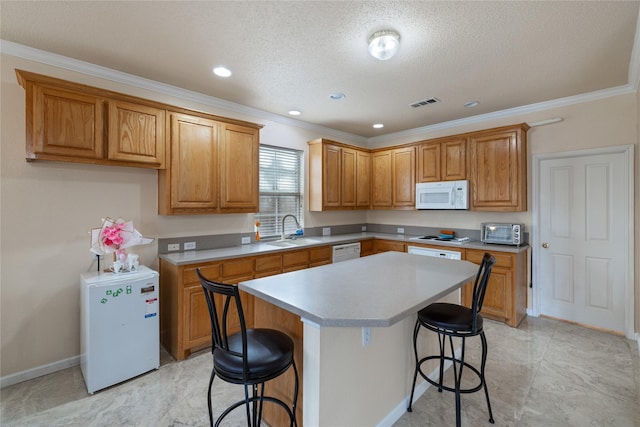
(401, 409)
(39, 371)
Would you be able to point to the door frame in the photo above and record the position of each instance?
(628, 151)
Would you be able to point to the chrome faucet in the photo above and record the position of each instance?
(284, 236)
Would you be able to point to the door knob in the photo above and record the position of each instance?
(545, 245)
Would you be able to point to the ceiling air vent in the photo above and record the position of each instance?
(424, 102)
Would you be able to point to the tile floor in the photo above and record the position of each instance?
(544, 373)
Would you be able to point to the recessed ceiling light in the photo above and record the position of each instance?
(337, 95)
(378, 126)
(295, 112)
(222, 72)
(471, 104)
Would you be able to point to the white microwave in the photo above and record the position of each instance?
(442, 195)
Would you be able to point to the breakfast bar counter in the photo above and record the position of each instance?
(358, 319)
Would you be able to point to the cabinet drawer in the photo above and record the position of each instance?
(320, 254)
(239, 267)
(502, 259)
(292, 258)
(211, 272)
(389, 245)
(268, 263)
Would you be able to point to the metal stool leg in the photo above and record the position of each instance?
(484, 382)
(415, 373)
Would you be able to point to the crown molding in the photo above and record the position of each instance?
(60, 61)
(48, 58)
(540, 106)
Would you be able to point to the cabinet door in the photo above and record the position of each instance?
(381, 182)
(63, 125)
(498, 171)
(239, 166)
(194, 163)
(454, 160)
(348, 177)
(497, 298)
(331, 186)
(196, 321)
(363, 179)
(429, 162)
(404, 178)
(136, 133)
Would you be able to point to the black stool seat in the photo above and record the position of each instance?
(269, 353)
(451, 317)
(456, 321)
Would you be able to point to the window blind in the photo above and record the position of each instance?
(280, 189)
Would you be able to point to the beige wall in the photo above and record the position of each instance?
(47, 208)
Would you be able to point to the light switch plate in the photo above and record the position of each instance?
(173, 247)
(400, 230)
(246, 240)
(326, 231)
(189, 246)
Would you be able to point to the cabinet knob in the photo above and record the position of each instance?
(545, 245)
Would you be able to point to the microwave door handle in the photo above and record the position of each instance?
(451, 196)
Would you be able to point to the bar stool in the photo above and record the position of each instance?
(249, 357)
(454, 320)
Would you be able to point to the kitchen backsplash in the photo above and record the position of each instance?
(218, 241)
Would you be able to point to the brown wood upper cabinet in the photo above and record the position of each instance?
(498, 169)
(213, 167)
(339, 176)
(442, 160)
(393, 178)
(70, 122)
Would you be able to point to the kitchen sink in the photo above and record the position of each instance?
(291, 243)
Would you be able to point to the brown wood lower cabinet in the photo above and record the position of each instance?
(388, 245)
(506, 296)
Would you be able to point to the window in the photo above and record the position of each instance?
(280, 189)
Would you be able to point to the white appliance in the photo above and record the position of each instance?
(346, 252)
(417, 250)
(434, 252)
(442, 195)
(119, 328)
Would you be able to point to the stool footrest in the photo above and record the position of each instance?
(442, 386)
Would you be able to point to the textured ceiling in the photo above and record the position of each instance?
(293, 55)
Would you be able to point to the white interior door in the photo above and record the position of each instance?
(584, 235)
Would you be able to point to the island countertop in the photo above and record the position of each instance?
(374, 291)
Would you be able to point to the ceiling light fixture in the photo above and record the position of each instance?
(378, 126)
(471, 104)
(384, 44)
(337, 95)
(295, 112)
(222, 72)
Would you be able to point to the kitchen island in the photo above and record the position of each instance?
(358, 318)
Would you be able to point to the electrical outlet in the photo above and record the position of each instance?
(189, 246)
(173, 247)
(366, 336)
(326, 231)
(246, 240)
(364, 228)
(400, 230)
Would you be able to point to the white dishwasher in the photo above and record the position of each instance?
(439, 253)
(346, 252)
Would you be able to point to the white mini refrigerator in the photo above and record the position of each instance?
(119, 328)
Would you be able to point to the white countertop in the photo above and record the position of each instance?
(264, 247)
(374, 291)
